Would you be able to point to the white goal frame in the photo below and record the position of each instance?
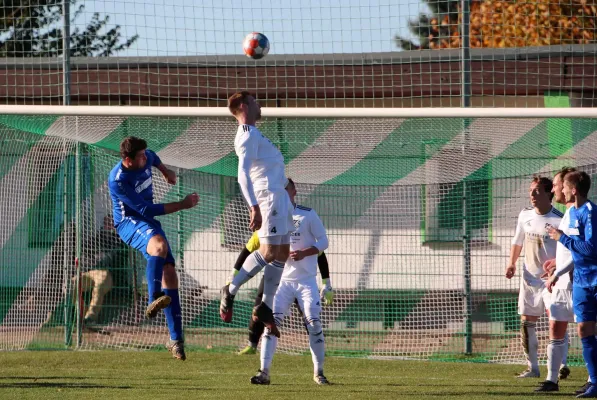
(297, 112)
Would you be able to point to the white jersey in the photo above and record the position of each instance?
(260, 163)
(563, 255)
(309, 231)
(538, 246)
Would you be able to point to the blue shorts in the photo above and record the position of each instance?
(584, 302)
(136, 233)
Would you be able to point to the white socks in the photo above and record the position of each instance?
(269, 343)
(251, 267)
(555, 355)
(271, 281)
(317, 345)
(530, 344)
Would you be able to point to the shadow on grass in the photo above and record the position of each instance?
(61, 385)
(46, 378)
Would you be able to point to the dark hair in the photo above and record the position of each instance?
(236, 100)
(565, 171)
(546, 183)
(130, 146)
(581, 181)
(290, 183)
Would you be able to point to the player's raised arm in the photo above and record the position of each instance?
(169, 175)
(127, 195)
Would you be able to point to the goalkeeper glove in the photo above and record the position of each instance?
(231, 277)
(327, 293)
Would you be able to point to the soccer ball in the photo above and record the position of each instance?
(256, 45)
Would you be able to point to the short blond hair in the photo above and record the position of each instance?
(235, 101)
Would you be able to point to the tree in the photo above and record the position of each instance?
(33, 28)
(432, 28)
(505, 23)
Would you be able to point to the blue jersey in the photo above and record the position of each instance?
(583, 245)
(132, 191)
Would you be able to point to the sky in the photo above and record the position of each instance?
(216, 27)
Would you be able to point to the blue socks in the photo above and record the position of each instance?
(589, 352)
(174, 315)
(154, 272)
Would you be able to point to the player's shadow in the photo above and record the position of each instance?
(29, 382)
(48, 378)
(61, 385)
(519, 394)
(407, 389)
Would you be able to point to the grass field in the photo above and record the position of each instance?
(154, 375)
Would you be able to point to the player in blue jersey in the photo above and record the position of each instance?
(583, 245)
(131, 188)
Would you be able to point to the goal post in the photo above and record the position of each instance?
(302, 112)
(388, 184)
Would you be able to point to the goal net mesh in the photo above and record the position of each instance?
(389, 191)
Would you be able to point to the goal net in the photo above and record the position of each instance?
(389, 190)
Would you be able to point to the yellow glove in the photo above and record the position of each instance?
(327, 293)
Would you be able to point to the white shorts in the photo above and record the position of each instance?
(561, 305)
(276, 213)
(305, 292)
(276, 240)
(533, 300)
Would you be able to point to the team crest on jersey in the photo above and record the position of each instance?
(296, 222)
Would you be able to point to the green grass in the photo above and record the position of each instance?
(153, 375)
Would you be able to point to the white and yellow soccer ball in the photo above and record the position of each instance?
(256, 45)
